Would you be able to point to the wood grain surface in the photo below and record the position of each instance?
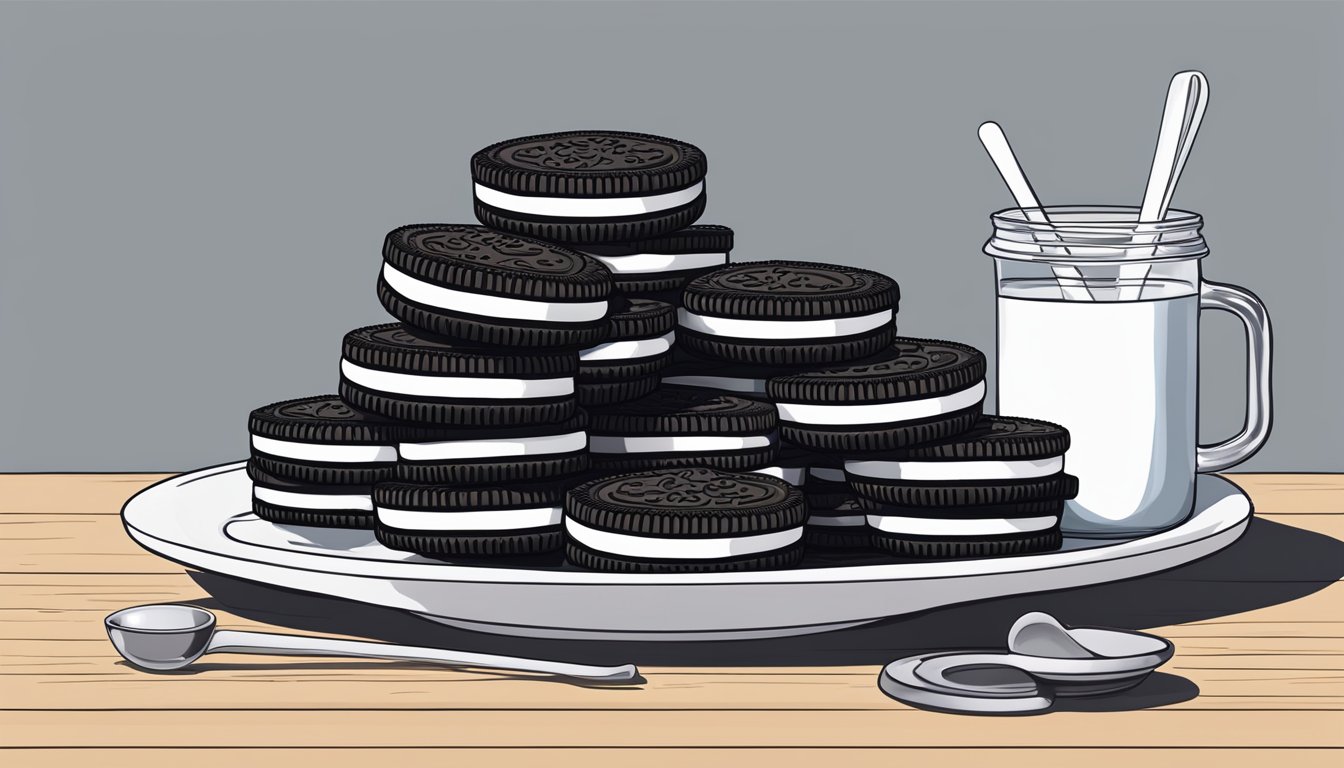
(1258, 675)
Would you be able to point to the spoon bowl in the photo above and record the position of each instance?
(165, 637)
(1085, 661)
(161, 637)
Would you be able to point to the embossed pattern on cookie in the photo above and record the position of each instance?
(688, 519)
(589, 186)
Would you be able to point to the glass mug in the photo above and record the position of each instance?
(1098, 330)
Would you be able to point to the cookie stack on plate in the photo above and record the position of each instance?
(586, 371)
(314, 461)
(483, 372)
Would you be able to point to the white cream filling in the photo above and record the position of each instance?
(829, 474)
(323, 501)
(921, 526)
(587, 206)
(723, 383)
(881, 413)
(628, 349)
(643, 263)
(649, 547)
(740, 328)
(449, 450)
(345, 454)
(488, 306)
(791, 475)
(482, 520)
(667, 443)
(837, 521)
(958, 470)
(465, 387)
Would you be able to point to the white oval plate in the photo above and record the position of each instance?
(203, 520)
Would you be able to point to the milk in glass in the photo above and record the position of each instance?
(1121, 376)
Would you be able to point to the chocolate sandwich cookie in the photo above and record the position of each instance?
(293, 503)
(684, 520)
(628, 364)
(791, 466)
(481, 287)
(740, 379)
(394, 372)
(916, 391)
(788, 313)
(589, 186)
(323, 441)
(659, 267)
(843, 526)
(456, 456)
(678, 427)
(997, 489)
(447, 520)
(991, 530)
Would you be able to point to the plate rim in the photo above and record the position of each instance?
(1200, 526)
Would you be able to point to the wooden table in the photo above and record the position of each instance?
(1258, 676)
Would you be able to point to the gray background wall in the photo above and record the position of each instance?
(193, 195)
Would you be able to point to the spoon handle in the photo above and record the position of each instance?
(995, 142)
(1070, 279)
(1187, 98)
(268, 644)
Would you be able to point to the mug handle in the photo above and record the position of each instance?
(1259, 405)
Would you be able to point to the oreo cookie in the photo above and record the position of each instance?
(532, 453)
(791, 466)
(660, 267)
(788, 313)
(998, 489)
(321, 440)
(481, 287)
(843, 526)
(589, 186)
(446, 520)
(628, 364)
(693, 519)
(991, 530)
(916, 391)
(292, 503)
(394, 372)
(678, 427)
(739, 379)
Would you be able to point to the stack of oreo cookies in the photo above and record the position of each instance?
(315, 460)
(628, 199)
(925, 473)
(996, 489)
(486, 365)
(678, 427)
(629, 364)
(743, 325)
(474, 390)
(587, 372)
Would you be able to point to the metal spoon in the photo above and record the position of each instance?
(1040, 634)
(171, 636)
